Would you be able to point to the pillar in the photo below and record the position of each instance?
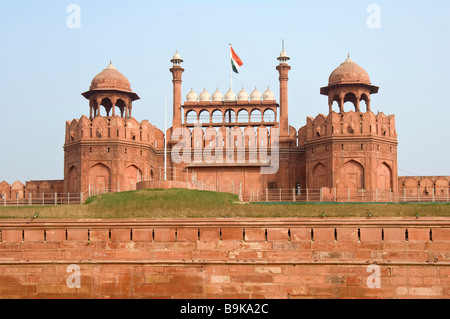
(177, 72)
(283, 70)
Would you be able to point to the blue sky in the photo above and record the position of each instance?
(45, 66)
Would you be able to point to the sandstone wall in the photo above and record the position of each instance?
(226, 258)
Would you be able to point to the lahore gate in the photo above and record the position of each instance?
(241, 143)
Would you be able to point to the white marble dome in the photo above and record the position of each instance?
(217, 96)
(192, 96)
(255, 95)
(242, 95)
(176, 56)
(204, 96)
(230, 96)
(268, 95)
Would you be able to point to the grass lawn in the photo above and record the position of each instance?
(182, 203)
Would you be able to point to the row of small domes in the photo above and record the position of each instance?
(230, 96)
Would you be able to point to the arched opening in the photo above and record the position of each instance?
(100, 178)
(384, 177)
(350, 101)
(352, 175)
(122, 107)
(335, 107)
(269, 116)
(72, 180)
(230, 116)
(335, 104)
(191, 117)
(204, 116)
(217, 116)
(319, 176)
(107, 104)
(243, 116)
(131, 176)
(256, 116)
(364, 102)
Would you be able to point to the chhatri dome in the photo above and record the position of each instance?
(242, 95)
(268, 95)
(255, 95)
(204, 96)
(349, 73)
(217, 96)
(110, 79)
(230, 96)
(192, 96)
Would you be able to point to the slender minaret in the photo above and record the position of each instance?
(283, 69)
(177, 72)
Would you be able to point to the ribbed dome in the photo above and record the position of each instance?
(110, 79)
(268, 95)
(255, 95)
(204, 96)
(217, 96)
(348, 73)
(242, 95)
(192, 96)
(230, 96)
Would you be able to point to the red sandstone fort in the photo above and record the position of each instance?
(240, 143)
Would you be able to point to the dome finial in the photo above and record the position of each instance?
(110, 66)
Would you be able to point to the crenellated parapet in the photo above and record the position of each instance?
(351, 123)
(114, 128)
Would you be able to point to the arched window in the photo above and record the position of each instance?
(269, 116)
(191, 117)
(243, 116)
(204, 116)
(217, 116)
(256, 116)
(230, 116)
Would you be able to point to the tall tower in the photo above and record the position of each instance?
(283, 69)
(177, 72)
(110, 150)
(285, 140)
(351, 150)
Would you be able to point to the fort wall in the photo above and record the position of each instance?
(226, 258)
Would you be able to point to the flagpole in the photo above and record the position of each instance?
(231, 71)
(165, 136)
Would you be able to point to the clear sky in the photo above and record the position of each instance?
(45, 65)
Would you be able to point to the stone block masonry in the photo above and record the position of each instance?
(226, 258)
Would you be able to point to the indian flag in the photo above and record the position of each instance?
(236, 62)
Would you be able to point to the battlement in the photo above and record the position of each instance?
(113, 128)
(351, 124)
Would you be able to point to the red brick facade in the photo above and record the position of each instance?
(214, 258)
